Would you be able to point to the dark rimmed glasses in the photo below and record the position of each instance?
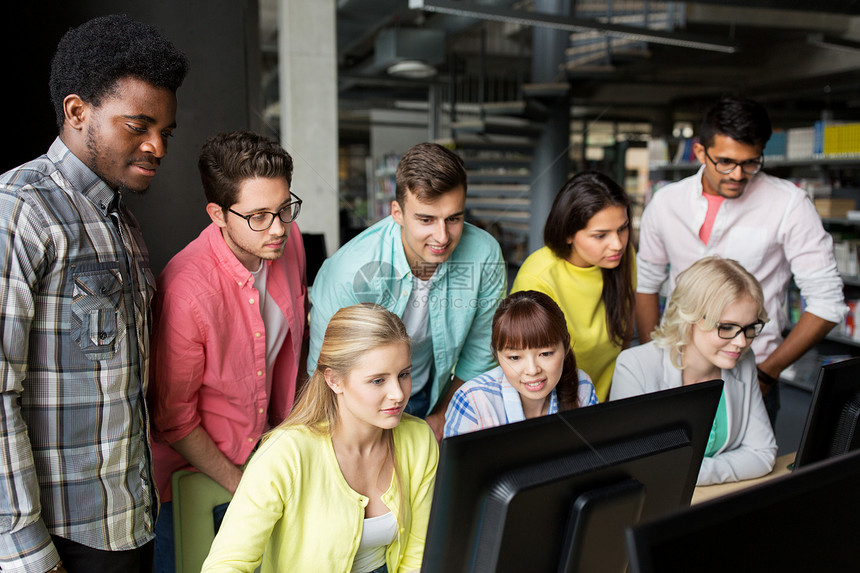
(728, 331)
(262, 220)
(725, 166)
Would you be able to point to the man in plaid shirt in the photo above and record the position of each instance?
(76, 486)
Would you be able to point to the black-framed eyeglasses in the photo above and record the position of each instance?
(262, 220)
(724, 166)
(728, 331)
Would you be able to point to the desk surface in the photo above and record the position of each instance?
(705, 492)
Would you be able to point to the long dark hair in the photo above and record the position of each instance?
(531, 319)
(583, 196)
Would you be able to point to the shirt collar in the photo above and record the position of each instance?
(225, 256)
(514, 404)
(753, 182)
(401, 265)
(81, 178)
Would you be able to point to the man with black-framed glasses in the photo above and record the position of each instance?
(732, 209)
(230, 322)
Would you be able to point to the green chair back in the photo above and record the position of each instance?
(194, 496)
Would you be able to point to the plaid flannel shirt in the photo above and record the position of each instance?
(75, 289)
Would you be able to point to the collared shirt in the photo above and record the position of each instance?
(76, 286)
(462, 298)
(772, 229)
(209, 349)
(489, 401)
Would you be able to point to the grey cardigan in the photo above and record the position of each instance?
(749, 451)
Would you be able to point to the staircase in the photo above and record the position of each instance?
(497, 150)
(592, 51)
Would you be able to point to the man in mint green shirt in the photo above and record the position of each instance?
(442, 276)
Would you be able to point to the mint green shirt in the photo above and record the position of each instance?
(720, 429)
(462, 298)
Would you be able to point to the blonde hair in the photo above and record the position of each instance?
(352, 332)
(702, 293)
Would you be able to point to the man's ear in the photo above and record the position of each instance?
(76, 111)
(217, 214)
(397, 212)
(699, 150)
(333, 381)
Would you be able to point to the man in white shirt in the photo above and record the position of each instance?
(732, 209)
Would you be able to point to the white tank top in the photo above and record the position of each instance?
(377, 533)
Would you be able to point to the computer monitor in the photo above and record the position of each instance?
(803, 521)
(832, 422)
(556, 493)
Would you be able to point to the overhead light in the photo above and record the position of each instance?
(412, 69)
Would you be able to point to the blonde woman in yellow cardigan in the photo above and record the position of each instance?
(346, 482)
(588, 268)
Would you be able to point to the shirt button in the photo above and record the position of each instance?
(259, 372)
(261, 410)
(251, 300)
(250, 439)
(257, 334)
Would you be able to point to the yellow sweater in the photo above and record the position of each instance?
(294, 502)
(578, 292)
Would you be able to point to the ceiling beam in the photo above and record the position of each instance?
(482, 12)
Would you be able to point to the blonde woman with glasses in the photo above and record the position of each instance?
(346, 482)
(714, 313)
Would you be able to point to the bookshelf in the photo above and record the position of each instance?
(381, 186)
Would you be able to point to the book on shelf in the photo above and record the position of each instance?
(658, 152)
(800, 143)
(845, 251)
(851, 322)
(816, 188)
(841, 140)
(776, 148)
(684, 153)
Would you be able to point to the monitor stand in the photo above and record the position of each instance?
(597, 517)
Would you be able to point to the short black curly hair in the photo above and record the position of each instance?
(93, 57)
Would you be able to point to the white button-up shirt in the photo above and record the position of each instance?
(773, 230)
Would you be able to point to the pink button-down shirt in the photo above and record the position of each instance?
(209, 350)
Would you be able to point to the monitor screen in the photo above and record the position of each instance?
(831, 424)
(803, 521)
(556, 493)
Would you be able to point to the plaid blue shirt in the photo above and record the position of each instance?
(75, 288)
(489, 400)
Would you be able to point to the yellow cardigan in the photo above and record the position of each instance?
(294, 502)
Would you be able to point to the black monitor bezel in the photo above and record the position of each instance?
(451, 537)
(835, 386)
(805, 520)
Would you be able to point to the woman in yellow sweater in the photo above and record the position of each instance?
(588, 268)
(346, 482)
